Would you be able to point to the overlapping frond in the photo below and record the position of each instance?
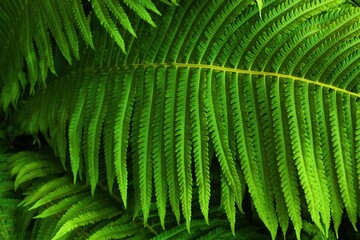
(29, 27)
(8, 202)
(78, 215)
(14, 221)
(215, 76)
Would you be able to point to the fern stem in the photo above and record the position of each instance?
(150, 228)
(105, 188)
(231, 70)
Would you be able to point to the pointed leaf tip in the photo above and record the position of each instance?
(260, 6)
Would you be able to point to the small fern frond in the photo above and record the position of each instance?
(169, 144)
(8, 202)
(62, 205)
(200, 138)
(115, 7)
(28, 166)
(141, 7)
(56, 194)
(158, 153)
(85, 212)
(228, 203)
(35, 170)
(94, 126)
(120, 231)
(102, 13)
(183, 145)
(55, 26)
(145, 139)
(75, 130)
(81, 21)
(43, 190)
(121, 134)
(84, 219)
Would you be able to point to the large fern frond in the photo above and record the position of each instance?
(275, 97)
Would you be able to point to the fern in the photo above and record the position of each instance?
(79, 215)
(289, 113)
(221, 101)
(14, 221)
(7, 204)
(25, 35)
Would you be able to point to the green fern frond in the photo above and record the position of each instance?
(14, 221)
(28, 166)
(200, 138)
(301, 155)
(44, 189)
(8, 218)
(214, 76)
(62, 205)
(101, 11)
(84, 219)
(77, 215)
(219, 136)
(158, 154)
(121, 134)
(141, 7)
(35, 170)
(116, 232)
(343, 163)
(8, 202)
(228, 202)
(85, 212)
(183, 145)
(57, 194)
(144, 141)
(26, 36)
(169, 144)
(121, 16)
(94, 118)
(109, 124)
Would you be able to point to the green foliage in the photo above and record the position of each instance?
(7, 203)
(14, 221)
(166, 131)
(64, 210)
(29, 27)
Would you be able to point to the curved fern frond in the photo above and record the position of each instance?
(79, 215)
(90, 216)
(25, 35)
(14, 221)
(119, 231)
(43, 190)
(61, 205)
(215, 76)
(29, 166)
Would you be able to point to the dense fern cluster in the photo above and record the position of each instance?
(167, 131)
